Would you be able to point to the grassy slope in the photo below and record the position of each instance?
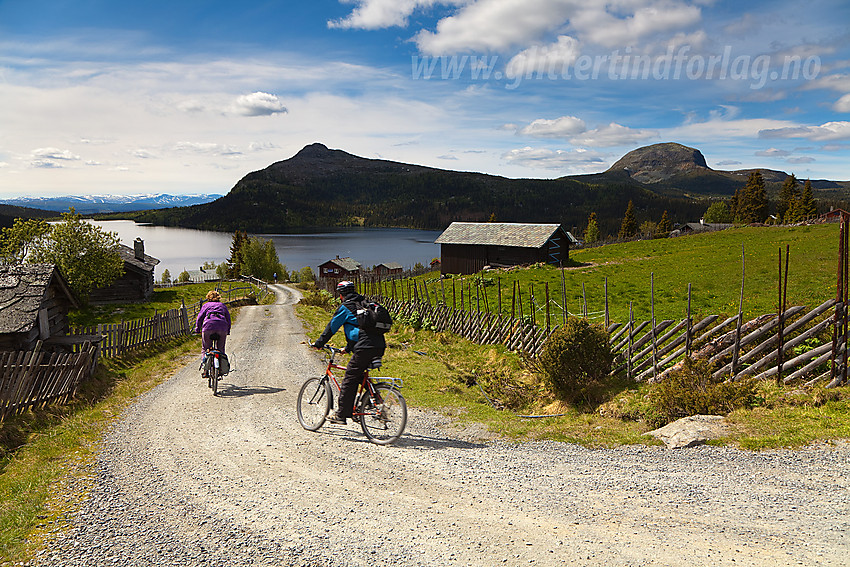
(711, 263)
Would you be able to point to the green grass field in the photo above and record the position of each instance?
(711, 263)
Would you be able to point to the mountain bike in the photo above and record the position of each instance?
(212, 367)
(380, 407)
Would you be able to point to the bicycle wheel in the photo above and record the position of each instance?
(385, 423)
(214, 379)
(314, 403)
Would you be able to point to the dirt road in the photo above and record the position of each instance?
(188, 479)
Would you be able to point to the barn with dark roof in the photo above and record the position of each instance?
(467, 247)
(34, 303)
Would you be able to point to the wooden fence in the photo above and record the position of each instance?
(787, 349)
(33, 378)
(118, 338)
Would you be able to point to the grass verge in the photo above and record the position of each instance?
(49, 454)
(491, 387)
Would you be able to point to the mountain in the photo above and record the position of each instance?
(660, 162)
(322, 188)
(674, 169)
(93, 204)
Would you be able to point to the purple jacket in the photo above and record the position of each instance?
(214, 317)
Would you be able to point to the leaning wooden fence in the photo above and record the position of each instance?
(33, 378)
(785, 349)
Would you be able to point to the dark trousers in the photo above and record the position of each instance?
(206, 340)
(360, 361)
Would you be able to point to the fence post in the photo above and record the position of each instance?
(689, 327)
(734, 365)
(654, 337)
(564, 292)
(607, 313)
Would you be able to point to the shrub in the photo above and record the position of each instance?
(576, 359)
(320, 298)
(691, 390)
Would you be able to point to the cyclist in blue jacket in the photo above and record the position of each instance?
(364, 348)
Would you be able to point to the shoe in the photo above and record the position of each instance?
(334, 417)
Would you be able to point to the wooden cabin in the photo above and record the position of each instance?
(34, 303)
(340, 269)
(137, 282)
(467, 247)
(388, 269)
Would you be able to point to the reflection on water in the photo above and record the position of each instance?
(181, 249)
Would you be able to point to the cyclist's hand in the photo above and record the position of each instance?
(343, 350)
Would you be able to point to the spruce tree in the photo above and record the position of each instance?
(752, 203)
(789, 192)
(664, 226)
(591, 233)
(629, 226)
(235, 261)
(808, 207)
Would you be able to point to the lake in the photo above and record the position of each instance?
(181, 249)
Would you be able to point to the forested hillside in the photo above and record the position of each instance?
(328, 188)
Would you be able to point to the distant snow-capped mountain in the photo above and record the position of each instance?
(90, 204)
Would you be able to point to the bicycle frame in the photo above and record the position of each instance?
(366, 384)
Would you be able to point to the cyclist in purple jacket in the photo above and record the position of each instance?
(213, 318)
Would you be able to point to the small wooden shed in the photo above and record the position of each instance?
(467, 247)
(388, 269)
(137, 282)
(34, 303)
(340, 269)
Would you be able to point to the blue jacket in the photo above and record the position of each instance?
(345, 318)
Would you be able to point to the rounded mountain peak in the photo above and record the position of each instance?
(313, 150)
(651, 164)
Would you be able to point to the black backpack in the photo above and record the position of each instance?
(373, 317)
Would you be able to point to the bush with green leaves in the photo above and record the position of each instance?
(320, 298)
(576, 359)
(691, 390)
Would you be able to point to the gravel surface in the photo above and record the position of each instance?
(188, 479)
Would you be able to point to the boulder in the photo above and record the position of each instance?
(691, 431)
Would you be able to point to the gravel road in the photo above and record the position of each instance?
(188, 479)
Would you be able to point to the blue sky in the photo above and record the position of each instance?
(114, 97)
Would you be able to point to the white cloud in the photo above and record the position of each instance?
(613, 134)
(604, 24)
(258, 104)
(499, 25)
(549, 59)
(842, 104)
(563, 127)
(208, 148)
(495, 25)
(54, 154)
(800, 160)
(773, 152)
(45, 164)
(828, 132)
(377, 14)
(578, 161)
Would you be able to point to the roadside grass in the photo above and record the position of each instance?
(710, 262)
(48, 454)
(490, 387)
